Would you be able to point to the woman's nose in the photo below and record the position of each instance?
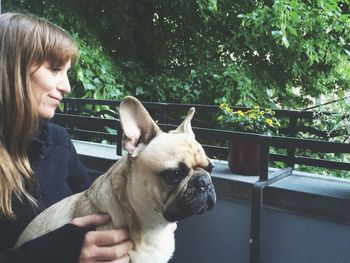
(64, 85)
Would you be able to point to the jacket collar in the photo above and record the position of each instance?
(38, 142)
(41, 135)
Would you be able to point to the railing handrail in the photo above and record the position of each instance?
(186, 106)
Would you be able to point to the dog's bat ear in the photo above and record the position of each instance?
(185, 126)
(138, 126)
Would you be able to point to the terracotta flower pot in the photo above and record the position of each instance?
(244, 157)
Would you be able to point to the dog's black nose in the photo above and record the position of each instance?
(202, 182)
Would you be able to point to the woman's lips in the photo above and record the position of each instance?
(56, 100)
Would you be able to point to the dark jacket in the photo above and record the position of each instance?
(59, 173)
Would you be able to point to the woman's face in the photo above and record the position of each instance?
(49, 84)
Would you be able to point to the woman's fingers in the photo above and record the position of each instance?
(103, 246)
(107, 237)
(125, 259)
(91, 220)
(115, 252)
(109, 245)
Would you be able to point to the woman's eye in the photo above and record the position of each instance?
(55, 69)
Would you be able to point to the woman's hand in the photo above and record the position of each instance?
(105, 245)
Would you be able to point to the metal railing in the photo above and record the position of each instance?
(98, 120)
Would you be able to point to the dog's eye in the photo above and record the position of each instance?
(174, 176)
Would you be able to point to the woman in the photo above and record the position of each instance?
(38, 163)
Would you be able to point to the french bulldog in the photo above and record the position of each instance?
(163, 178)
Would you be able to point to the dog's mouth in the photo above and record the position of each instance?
(195, 200)
(206, 207)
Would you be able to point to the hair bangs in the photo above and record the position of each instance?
(54, 45)
(60, 49)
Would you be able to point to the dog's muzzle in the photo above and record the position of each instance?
(198, 197)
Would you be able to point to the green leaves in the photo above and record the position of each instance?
(281, 52)
(207, 8)
(334, 118)
(306, 41)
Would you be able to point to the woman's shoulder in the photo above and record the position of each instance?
(57, 134)
(52, 127)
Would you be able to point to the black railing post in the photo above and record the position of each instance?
(72, 109)
(264, 159)
(255, 222)
(258, 198)
(256, 212)
(65, 112)
(293, 130)
(257, 202)
(119, 142)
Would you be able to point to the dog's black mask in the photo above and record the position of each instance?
(198, 197)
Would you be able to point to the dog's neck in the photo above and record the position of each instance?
(115, 183)
(107, 194)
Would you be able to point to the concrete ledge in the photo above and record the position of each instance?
(323, 197)
(98, 150)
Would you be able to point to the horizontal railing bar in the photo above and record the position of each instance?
(308, 161)
(278, 157)
(79, 101)
(104, 135)
(277, 141)
(180, 106)
(322, 163)
(281, 142)
(311, 144)
(87, 120)
(215, 150)
(148, 105)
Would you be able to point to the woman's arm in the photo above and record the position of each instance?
(61, 245)
(74, 242)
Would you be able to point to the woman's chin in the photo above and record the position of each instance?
(46, 114)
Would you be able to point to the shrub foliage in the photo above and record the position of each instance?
(275, 53)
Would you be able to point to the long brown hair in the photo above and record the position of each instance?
(25, 40)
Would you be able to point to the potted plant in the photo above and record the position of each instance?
(244, 157)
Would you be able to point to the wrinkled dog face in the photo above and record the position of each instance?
(193, 191)
(194, 197)
(179, 177)
(170, 170)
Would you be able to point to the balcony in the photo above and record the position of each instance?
(281, 215)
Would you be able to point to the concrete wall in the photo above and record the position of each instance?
(222, 235)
